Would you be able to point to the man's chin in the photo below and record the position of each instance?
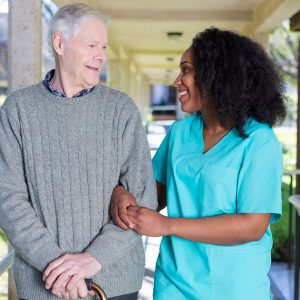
(91, 84)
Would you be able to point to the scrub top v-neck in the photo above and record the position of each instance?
(237, 175)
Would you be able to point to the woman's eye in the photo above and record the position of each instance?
(184, 70)
(91, 46)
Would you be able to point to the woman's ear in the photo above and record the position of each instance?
(203, 97)
(58, 43)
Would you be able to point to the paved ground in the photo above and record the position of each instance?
(282, 281)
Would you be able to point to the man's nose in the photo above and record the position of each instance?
(101, 55)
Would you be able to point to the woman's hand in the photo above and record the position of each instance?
(120, 200)
(147, 221)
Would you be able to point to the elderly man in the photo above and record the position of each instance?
(65, 144)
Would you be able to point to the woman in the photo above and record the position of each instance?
(220, 171)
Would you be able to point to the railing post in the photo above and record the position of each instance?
(12, 290)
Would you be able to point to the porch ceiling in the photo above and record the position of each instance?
(138, 30)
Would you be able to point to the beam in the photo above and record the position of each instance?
(156, 52)
(295, 22)
(166, 15)
(160, 66)
(269, 15)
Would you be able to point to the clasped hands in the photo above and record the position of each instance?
(128, 215)
(66, 275)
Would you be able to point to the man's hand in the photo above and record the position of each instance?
(147, 221)
(120, 200)
(66, 274)
(80, 291)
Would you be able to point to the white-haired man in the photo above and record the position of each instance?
(65, 144)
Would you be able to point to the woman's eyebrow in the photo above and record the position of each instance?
(184, 62)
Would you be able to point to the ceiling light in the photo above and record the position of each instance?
(170, 58)
(174, 36)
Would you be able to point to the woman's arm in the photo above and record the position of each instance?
(229, 229)
(121, 200)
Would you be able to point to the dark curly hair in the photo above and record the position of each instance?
(236, 74)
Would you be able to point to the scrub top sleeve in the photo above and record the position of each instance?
(259, 183)
(160, 160)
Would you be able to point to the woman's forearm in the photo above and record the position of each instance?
(223, 229)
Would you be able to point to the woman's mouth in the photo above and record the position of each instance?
(182, 94)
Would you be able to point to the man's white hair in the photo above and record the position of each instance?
(68, 18)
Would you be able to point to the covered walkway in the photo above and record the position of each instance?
(146, 40)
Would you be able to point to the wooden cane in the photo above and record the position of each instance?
(95, 287)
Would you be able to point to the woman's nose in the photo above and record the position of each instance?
(177, 81)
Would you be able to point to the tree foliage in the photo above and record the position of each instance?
(283, 48)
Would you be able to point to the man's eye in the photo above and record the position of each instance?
(91, 46)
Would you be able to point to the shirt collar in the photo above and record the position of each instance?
(47, 80)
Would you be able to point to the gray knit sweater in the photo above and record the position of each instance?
(60, 159)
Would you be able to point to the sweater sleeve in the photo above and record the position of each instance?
(136, 175)
(30, 239)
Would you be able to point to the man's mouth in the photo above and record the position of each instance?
(93, 69)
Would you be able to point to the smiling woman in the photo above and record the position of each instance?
(219, 173)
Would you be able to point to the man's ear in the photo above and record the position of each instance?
(58, 43)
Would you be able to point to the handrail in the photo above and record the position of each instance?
(6, 262)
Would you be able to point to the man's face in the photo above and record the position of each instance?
(83, 55)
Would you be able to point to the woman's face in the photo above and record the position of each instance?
(189, 94)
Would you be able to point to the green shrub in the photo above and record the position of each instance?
(2, 236)
(280, 229)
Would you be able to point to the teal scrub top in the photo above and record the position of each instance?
(237, 175)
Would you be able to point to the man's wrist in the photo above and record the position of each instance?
(96, 265)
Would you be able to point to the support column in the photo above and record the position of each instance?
(24, 59)
(113, 74)
(133, 84)
(118, 75)
(144, 92)
(25, 43)
(298, 125)
(262, 38)
(124, 70)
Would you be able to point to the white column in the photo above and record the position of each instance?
(262, 38)
(133, 85)
(24, 58)
(25, 43)
(118, 75)
(144, 98)
(124, 70)
(113, 74)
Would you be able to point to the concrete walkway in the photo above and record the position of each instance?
(282, 281)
